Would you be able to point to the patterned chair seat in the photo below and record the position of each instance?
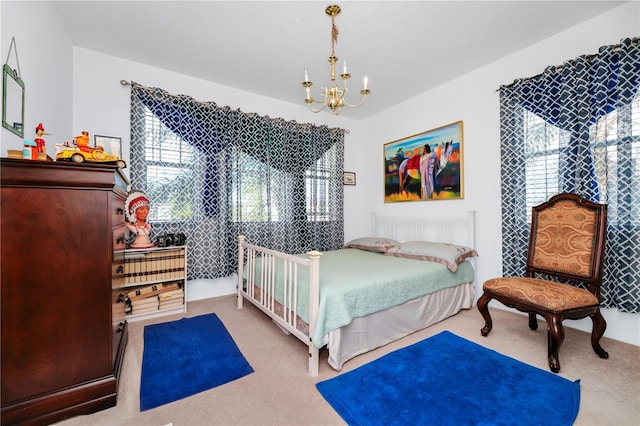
(541, 294)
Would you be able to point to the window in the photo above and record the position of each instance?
(544, 144)
(596, 98)
(254, 198)
(213, 173)
(317, 186)
(615, 143)
(259, 193)
(251, 199)
(169, 165)
(542, 147)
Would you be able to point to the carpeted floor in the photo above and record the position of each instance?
(280, 392)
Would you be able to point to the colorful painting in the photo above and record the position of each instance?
(426, 166)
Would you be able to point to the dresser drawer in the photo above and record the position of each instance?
(119, 232)
(117, 212)
(117, 275)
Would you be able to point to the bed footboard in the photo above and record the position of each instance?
(286, 316)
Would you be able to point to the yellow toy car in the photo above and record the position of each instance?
(81, 152)
(89, 155)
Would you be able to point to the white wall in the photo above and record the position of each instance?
(71, 89)
(46, 61)
(474, 100)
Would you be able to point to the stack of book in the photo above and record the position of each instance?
(171, 299)
(144, 305)
(156, 296)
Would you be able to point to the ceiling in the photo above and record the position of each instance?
(404, 47)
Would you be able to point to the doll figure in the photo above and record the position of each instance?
(137, 208)
(40, 143)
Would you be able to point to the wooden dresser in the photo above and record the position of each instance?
(61, 350)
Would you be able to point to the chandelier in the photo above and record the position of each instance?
(333, 95)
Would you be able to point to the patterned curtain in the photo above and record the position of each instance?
(590, 107)
(227, 173)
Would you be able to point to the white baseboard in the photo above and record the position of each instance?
(207, 288)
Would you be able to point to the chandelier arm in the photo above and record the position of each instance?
(324, 105)
(364, 98)
(311, 99)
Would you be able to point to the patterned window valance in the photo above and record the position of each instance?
(273, 171)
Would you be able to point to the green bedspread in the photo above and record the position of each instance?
(355, 283)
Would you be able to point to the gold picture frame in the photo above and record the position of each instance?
(436, 154)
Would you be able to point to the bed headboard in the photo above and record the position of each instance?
(450, 229)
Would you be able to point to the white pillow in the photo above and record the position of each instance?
(448, 254)
(380, 245)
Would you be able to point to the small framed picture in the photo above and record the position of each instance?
(349, 178)
(111, 144)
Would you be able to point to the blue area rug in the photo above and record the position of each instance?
(448, 380)
(184, 357)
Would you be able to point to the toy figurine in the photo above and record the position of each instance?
(38, 140)
(82, 142)
(137, 208)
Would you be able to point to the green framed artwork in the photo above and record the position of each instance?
(425, 166)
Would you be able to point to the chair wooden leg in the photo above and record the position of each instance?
(599, 326)
(533, 321)
(555, 337)
(483, 307)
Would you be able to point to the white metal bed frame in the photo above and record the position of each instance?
(457, 230)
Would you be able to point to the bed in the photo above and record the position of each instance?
(409, 274)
